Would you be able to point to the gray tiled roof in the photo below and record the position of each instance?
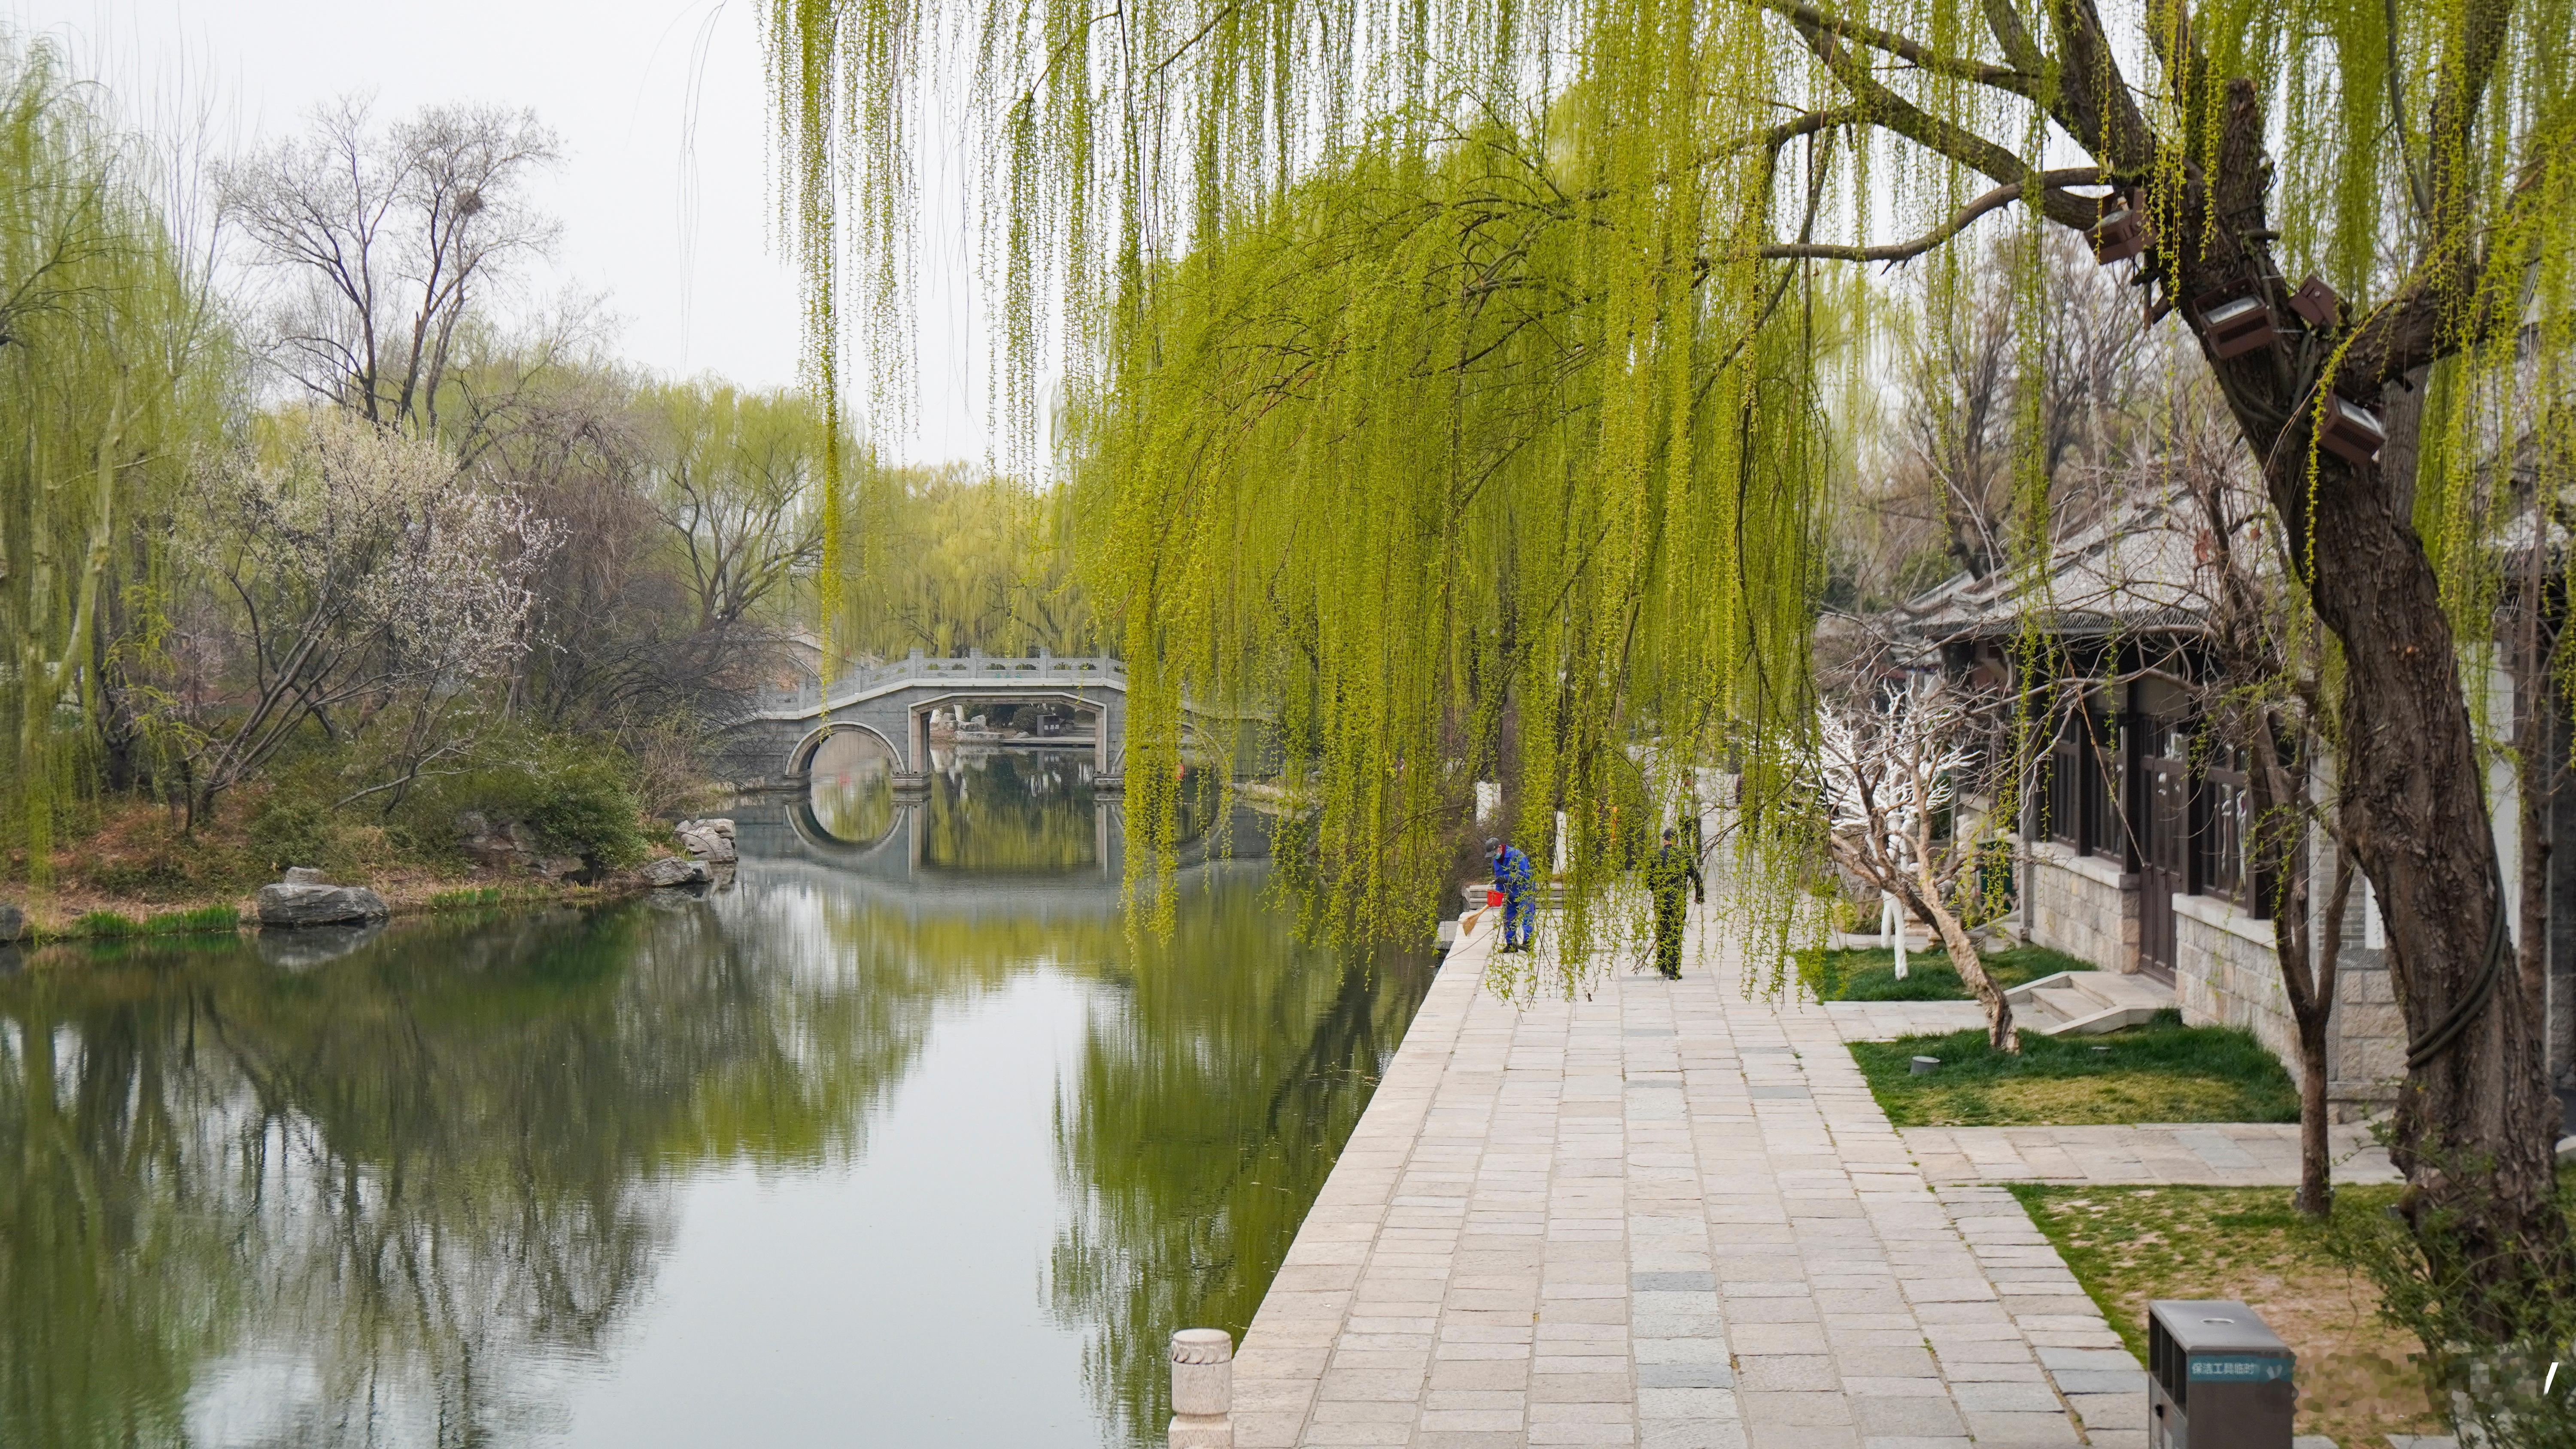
(2132, 571)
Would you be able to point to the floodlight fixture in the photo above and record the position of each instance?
(2236, 326)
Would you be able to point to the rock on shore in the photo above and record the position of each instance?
(708, 840)
(671, 871)
(305, 899)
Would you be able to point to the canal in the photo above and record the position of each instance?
(899, 1138)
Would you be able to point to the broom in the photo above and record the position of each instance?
(1467, 927)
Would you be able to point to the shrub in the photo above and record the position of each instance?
(585, 808)
(573, 795)
(105, 923)
(295, 830)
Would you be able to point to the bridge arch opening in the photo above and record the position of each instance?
(849, 772)
(1085, 708)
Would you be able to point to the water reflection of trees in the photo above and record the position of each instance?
(1208, 1111)
(373, 1203)
(395, 1198)
(1010, 811)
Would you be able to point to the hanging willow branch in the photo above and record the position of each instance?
(1459, 383)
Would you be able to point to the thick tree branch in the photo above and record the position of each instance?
(2440, 309)
(2014, 37)
(2005, 78)
(1960, 220)
(1887, 109)
(2094, 102)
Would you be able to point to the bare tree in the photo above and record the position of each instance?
(2264, 692)
(1889, 768)
(384, 241)
(1988, 371)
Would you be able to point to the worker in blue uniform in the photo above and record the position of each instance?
(1513, 878)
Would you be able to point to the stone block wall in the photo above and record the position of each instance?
(2082, 905)
(2366, 1043)
(2226, 974)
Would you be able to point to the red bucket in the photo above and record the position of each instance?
(1493, 897)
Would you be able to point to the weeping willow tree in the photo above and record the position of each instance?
(1455, 375)
(110, 369)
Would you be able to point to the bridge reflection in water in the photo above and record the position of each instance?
(1027, 822)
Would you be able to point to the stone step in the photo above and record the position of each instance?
(2086, 1003)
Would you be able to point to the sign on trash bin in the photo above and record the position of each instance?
(2217, 1377)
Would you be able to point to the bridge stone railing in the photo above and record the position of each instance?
(1037, 669)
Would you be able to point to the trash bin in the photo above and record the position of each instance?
(2217, 1377)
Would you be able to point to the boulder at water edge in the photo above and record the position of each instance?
(311, 903)
(671, 871)
(13, 923)
(498, 845)
(710, 840)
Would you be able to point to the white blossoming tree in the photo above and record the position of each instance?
(364, 588)
(1888, 769)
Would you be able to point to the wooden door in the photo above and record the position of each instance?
(2164, 841)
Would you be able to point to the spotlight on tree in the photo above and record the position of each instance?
(2316, 303)
(2236, 326)
(2351, 432)
(2121, 232)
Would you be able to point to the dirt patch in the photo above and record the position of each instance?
(2356, 1377)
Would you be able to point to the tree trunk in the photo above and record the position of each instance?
(1971, 968)
(2315, 1196)
(2534, 662)
(2312, 998)
(2473, 1127)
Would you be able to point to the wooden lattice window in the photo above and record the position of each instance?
(2082, 775)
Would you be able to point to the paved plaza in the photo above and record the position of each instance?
(1665, 1215)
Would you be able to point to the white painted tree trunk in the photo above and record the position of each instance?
(1891, 928)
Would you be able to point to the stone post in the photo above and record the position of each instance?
(1202, 1389)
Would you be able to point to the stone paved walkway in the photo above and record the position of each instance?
(1662, 1216)
(1888, 1020)
(2210, 1154)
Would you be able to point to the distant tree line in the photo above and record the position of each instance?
(308, 506)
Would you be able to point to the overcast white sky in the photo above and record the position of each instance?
(671, 221)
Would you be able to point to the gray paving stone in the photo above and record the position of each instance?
(1684, 1376)
(1665, 1215)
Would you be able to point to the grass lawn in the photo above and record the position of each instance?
(1871, 975)
(2161, 1072)
(2128, 1245)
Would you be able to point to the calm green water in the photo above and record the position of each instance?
(818, 1159)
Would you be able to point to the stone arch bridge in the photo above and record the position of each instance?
(773, 746)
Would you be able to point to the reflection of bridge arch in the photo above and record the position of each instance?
(819, 841)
